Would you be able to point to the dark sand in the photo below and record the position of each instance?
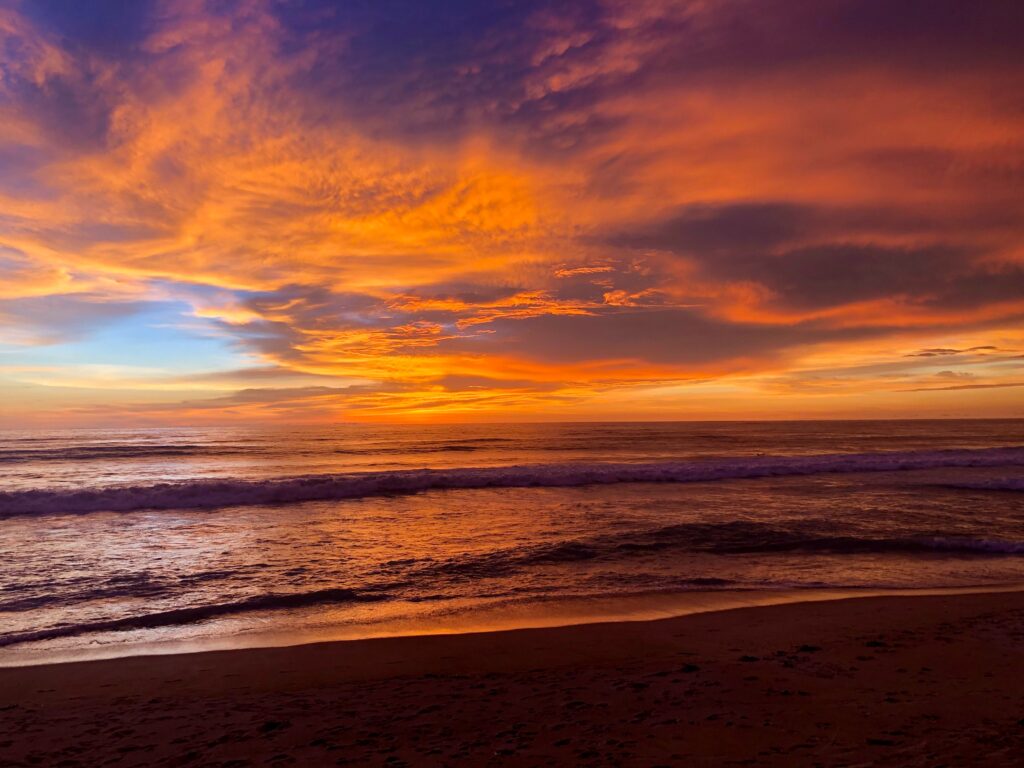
(897, 681)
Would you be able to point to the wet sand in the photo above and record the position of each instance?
(900, 681)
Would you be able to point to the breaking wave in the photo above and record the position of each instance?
(205, 494)
(191, 615)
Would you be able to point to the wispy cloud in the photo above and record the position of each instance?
(477, 209)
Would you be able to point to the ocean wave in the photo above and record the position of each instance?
(406, 579)
(455, 447)
(200, 494)
(739, 537)
(45, 600)
(128, 586)
(97, 452)
(747, 537)
(994, 484)
(910, 545)
(192, 615)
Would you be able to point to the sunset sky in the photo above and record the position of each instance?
(297, 211)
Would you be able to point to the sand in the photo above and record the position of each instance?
(900, 681)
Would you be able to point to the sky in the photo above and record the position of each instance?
(292, 211)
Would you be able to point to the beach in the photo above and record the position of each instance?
(490, 383)
(907, 681)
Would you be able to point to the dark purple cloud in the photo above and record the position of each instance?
(666, 336)
(812, 257)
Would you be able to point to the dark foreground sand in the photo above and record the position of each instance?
(895, 681)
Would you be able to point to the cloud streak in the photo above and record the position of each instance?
(529, 210)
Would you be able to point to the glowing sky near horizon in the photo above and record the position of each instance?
(300, 211)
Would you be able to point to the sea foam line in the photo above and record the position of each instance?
(206, 494)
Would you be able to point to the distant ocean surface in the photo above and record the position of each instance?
(120, 539)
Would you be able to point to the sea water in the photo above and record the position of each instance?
(134, 540)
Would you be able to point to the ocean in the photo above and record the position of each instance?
(149, 540)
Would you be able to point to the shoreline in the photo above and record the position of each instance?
(541, 614)
(893, 680)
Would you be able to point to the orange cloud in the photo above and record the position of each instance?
(629, 210)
